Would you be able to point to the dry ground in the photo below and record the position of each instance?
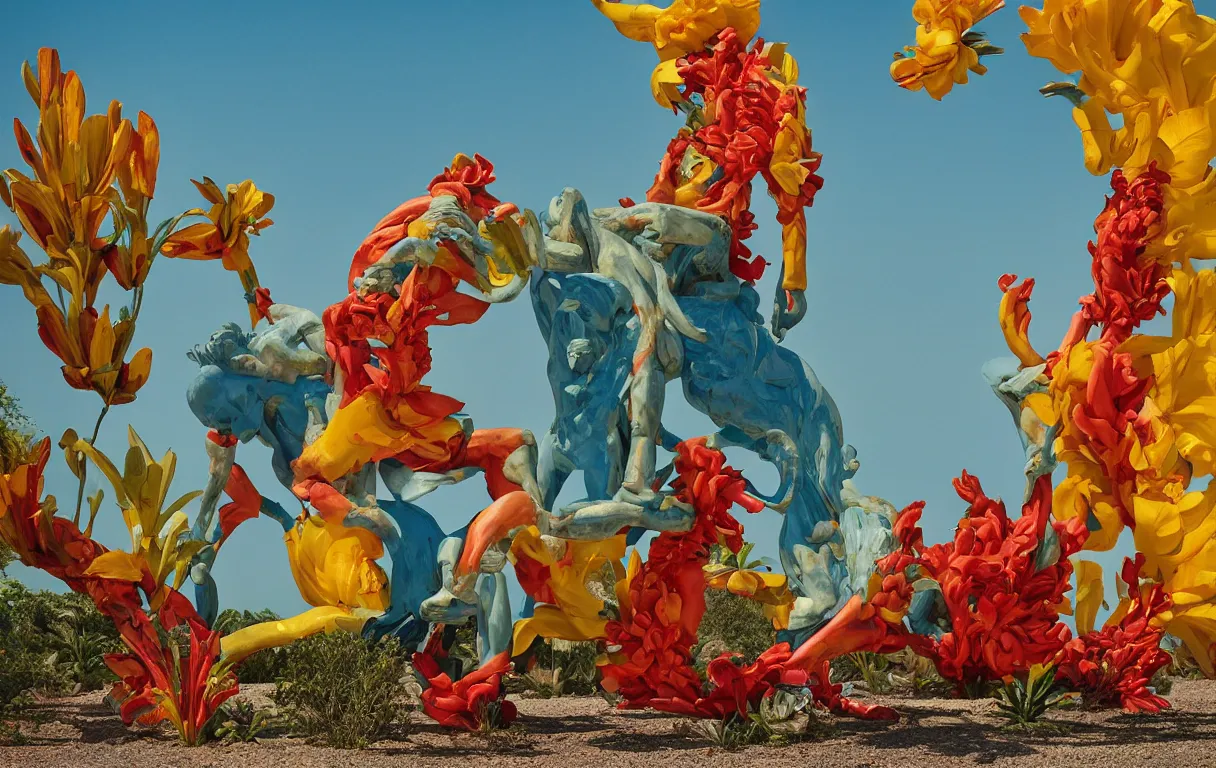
(81, 732)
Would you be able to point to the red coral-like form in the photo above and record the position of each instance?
(1114, 666)
(465, 703)
(656, 633)
(1003, 609)
(667, 595)
(748, 111)
(1129, 287)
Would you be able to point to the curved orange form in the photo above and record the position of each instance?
(492, 525)
(387, 233)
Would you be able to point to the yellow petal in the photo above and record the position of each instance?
(118, 565)
(1090, 593)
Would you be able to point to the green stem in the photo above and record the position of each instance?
(84, 466)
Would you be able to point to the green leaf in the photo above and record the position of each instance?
(1066, 89)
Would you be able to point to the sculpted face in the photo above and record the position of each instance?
(227, 403)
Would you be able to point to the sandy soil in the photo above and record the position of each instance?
(81, 732)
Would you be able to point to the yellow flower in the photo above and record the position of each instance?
(1153, 63)
(1185, 391)
(1089, 594)
(69, 196)
(1190, 225)
(685, 26)
(335, 566)
(92, 348)
(944, 52)
(233, 216)
(1014, 318)
(160, 541)
(1084, 492)
(576, 614)
(131, 261)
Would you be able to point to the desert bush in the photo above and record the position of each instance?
(51, 643)
(734, 624)
(241, 721)
(915, 675)
(265, 666)
(343, 689)
(1182, 662)
(872, 670)
(562, 668)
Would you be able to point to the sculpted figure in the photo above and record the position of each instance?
(762, 397)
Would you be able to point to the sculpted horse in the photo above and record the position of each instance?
(762, 396)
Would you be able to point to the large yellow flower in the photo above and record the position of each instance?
(1152, 63)
(335, 566)
(576, 613)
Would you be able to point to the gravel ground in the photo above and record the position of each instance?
(80, 732)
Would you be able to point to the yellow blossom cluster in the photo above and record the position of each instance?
(947, 47)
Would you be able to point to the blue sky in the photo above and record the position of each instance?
(343, 114)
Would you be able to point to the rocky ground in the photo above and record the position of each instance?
(80, 732)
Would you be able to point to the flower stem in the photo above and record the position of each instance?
(84, 465)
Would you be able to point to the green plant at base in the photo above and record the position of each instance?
(736, 733)
(496, 736)
(1182, 665)
(917, 675)
(732, 624)
(872, 669)
(978, 689)
(79, 653)
(562, 668)
(343, 689)
(242, 722)
(1026, 699)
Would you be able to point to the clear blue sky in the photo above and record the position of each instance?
(342, 114)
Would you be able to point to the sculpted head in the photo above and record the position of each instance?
(229, 403)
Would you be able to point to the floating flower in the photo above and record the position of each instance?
(947, 47)
(335, 566)
(685, 26)
(1152, 63)
(235, 214)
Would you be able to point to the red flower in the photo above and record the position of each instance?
(465, 703)
(1114, 666)
(1002, 605)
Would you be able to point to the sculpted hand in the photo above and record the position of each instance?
(788, 310)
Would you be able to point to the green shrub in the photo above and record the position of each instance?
(343, 689)
(51, 643)
(916, 675)
(562, 668)
(732, 623)
(265, 666)
(241, 721)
